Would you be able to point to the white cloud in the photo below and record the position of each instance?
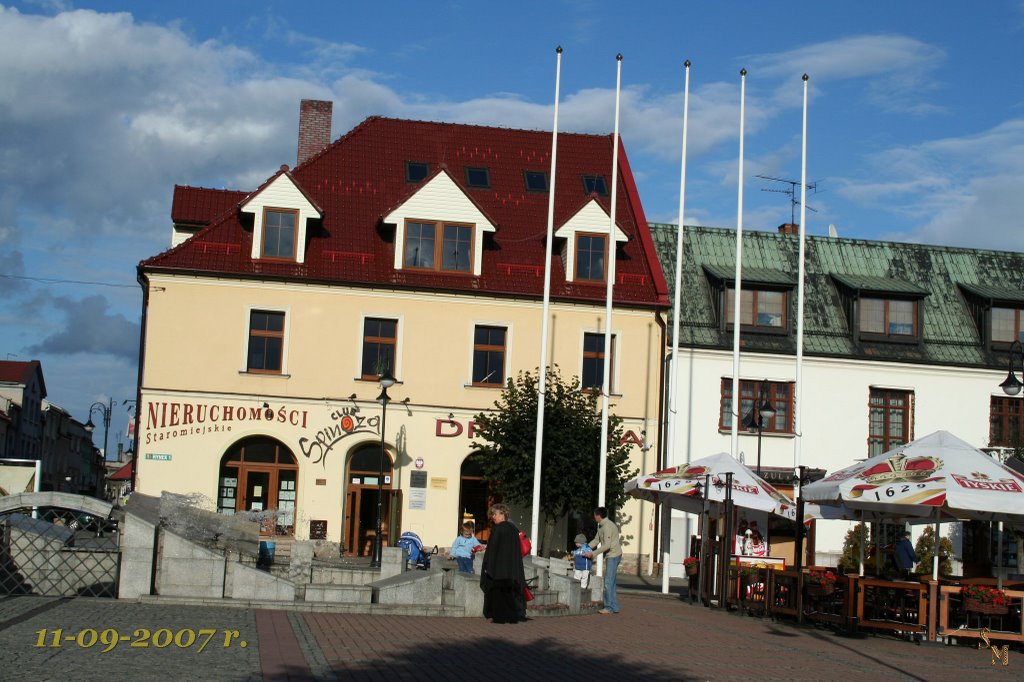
(960, 190)
(896, 68)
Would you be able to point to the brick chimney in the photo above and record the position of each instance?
(789, 228)
(314, 127)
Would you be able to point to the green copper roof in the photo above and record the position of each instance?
(955, 287)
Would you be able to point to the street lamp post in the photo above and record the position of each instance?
(386, 382)
(1012, 385)
(760, 412)
(105, 411)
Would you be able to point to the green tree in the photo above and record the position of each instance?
(925, 550)
(850, 560)
(571, 449)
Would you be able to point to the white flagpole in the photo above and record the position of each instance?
(542, 379)
(737, 294)
(798, 399)
(673, 389)
(606, 379)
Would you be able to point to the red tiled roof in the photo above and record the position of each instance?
(361, 176)
(16, 372)
(200, 205)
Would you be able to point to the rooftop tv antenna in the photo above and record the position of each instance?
(791, 192)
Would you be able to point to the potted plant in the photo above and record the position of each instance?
(692, 565)
(820, 583)
(982, 599)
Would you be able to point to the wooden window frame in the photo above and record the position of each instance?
(267, 210)
(914, 337)
(597, 355)
(780, 395)
(576, 258)
(890, 440)
(391, 341)
(594, 180)
(752, 324)
(437, 260)
(1018, 313)
(490, 348)
(1005, 410)
(263, 333)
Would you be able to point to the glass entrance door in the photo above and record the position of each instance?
(257, 495)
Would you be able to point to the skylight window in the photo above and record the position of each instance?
(415, 171)
(594, 184)
(478, 177)
(536, 181)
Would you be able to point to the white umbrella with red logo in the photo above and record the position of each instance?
(685, 487)
(938, 477)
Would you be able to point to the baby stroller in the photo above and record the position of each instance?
(413, 546)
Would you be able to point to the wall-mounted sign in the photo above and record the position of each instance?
(439, 483)
(158, 457)
(317, 529)
(419, 462)
(417, 479)
(418, 499)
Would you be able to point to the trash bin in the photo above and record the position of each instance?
(266, 555)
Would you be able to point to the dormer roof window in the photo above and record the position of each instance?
(882, 308)
(764, 300)
(585, 254)
(425, 240)
(280, 210)
(997, 312)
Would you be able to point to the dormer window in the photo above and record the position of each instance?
(536, 181)
(590, 257)
(594, 184)
(449, 242)
(424, 250)
(764, 298)
(279, 233)
(280, 212)
(882, 308)
(478, 177)
(1006, 325)
(416, 171)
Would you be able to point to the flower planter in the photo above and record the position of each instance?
(975, 606)
(820, 590)
(692, 569)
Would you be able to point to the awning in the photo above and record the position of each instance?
(122, 474)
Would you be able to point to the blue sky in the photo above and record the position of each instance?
(916, 128)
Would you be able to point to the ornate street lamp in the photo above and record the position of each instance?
(386, 381)
(760, 413)
(1012, 385)
(104, 411)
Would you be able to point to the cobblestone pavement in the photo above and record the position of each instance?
(654, 637)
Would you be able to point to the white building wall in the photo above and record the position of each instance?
(834, 416)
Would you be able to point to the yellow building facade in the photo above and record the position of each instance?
(260, 365)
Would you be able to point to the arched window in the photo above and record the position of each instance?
(260, 474)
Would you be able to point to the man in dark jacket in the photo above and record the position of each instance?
(905, 555)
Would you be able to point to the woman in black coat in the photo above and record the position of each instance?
(502, 578)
